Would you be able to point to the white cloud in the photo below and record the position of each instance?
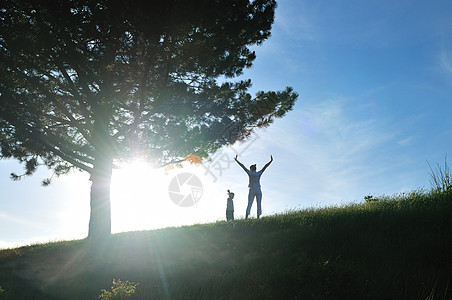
(330, 154)
(13, 219)
(445, 61)
(295, 22)
(406, 141)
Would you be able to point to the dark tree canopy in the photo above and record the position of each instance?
(84, 84)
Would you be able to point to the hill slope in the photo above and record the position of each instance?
(392, 248)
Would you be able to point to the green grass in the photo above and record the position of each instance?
(397, 247)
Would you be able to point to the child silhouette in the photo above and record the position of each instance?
(230, 207)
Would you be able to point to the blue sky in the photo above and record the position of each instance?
(375, 85)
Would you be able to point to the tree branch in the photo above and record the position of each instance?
(63, 154)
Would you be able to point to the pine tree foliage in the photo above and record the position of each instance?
(85, 84)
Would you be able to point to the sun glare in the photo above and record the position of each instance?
(144, 198)
(136, 193)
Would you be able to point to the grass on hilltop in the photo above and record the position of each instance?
(397, 247)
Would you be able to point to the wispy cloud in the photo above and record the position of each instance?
(13, 219)
(330, 155)
(444, 66)
(297, 23)
(406, 141)
(445, 61)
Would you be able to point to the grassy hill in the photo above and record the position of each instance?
(397, 247)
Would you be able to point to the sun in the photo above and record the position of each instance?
(144, 198)
(137, 191)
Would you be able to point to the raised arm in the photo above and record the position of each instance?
(265, 167)
(240, 164)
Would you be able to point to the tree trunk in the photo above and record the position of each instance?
(100, 216)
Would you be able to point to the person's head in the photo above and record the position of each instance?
(253, 168)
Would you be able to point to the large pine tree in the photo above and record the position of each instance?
(84, 84)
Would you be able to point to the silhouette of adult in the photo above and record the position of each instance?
(254, 186)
